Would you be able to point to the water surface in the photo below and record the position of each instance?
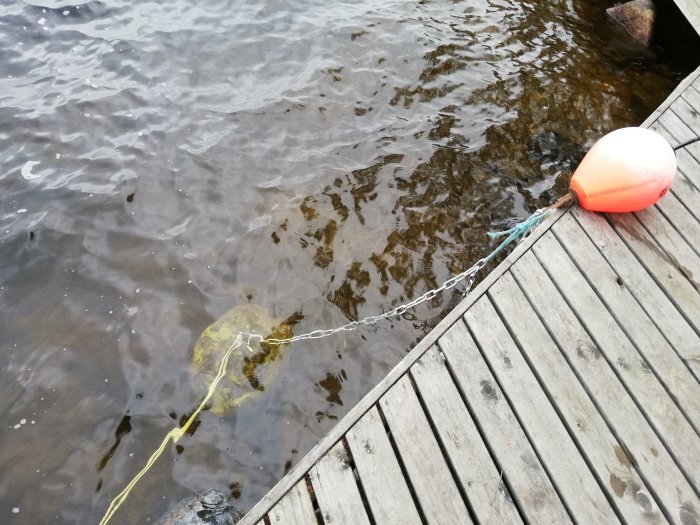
(163, 162)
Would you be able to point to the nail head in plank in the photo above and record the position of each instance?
(477, 473)
(555, 447)
(668, 421)
(432, 481)
(530, 486)
(294, 508)
(380, 474)
(651, 458)
(335, 488)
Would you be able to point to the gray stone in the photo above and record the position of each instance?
(209, 507)
(637, 17)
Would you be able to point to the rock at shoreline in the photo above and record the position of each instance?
(637, 17)
(209, 507)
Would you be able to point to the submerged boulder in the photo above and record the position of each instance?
(637, 17)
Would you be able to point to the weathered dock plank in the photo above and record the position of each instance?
(664, 269)
(521, 468)
(332, 477)
(436, 491)
(586, 426)
(557, 451)
(641, 384)
(475, 469)
(639, 448)
(659, 308)
(294, 507)
(653, 347)
(379, 469)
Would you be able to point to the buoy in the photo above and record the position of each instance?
(627, 170)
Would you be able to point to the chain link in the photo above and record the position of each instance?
(469, 274)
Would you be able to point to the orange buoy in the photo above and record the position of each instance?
(627, 170)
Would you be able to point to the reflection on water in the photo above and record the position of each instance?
(163, 162)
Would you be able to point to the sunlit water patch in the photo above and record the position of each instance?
(165, 162)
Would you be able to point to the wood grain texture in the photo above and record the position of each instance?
(681, 220)
(380, 473)
(666, 484)
(672, 242)
(584, 423)
(677, 330)
(336, 491)
(522, 470)
(679, 287)
(548, 435)
(438, 495)
(478, 475)
(641, 384)
(295, 508)
(640, 328)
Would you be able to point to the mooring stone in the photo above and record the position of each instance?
(637, 17)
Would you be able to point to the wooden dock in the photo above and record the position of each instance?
(564, 389)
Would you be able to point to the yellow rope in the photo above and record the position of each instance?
(175, 434)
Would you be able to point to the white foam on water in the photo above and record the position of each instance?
(27, 170)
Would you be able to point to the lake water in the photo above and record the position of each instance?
(165, 161)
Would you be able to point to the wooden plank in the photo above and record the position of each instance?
(676, 329)
(436, 490)
(666, 273)
(335, 488)
(686, 110)
(654, 401)
(675, 125)
(681, 220)
(478, 475)
(583, 421)
(338, 431)
(384, 485)
(650, 342)
(548, 435)
(639, 447)
(528, 482)
(672, 243)
(689, 167)
(692, 98)
(294, 508)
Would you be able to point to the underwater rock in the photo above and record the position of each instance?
(209, 507)
(637, 17)
(248, 373)
(553, 150)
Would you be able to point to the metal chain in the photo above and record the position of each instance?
(469, 274)
(513, 233)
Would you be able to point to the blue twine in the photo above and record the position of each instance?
(518, 230)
